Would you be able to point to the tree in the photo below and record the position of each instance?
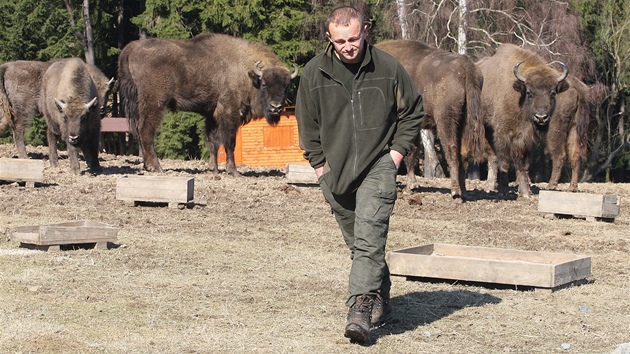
(608, 26)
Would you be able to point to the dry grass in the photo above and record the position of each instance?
(259, 266)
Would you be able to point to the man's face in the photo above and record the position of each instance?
(348, 41)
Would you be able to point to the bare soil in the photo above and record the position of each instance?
(257, 265)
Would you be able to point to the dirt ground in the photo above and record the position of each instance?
(257, 265)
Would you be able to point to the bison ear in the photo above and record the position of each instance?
(562, 86)
(519, 86)
(255, 78)
(61, 105)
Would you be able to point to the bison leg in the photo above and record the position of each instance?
(214, 142)
(556, 147)
(90, 153)
(522, 179)
(73, 155)
(18, 135)
(493, 173)
(229, 143)
(454, 161)
(556, 169)
(148, 124)
(411, 162)
(574, 158)
(52, 148)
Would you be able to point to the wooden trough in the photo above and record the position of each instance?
(544, 270)
(22, 170)
(300, 173)
(174, 191)
(584, 205)
(52, 237)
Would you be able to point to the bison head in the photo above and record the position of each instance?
(272, 84)
(538, 88)
(103, 89)
(76, 118)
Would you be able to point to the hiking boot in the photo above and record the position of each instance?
(359, 318)
(381, 311)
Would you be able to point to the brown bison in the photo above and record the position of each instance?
(450, 85)
(20, 88)
(69, 103)
(20, 85)
(518, 99)
(228, 80)
(567, 135)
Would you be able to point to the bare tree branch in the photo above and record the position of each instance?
(72, 23)
(608, 163)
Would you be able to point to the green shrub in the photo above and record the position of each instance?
(181, 136)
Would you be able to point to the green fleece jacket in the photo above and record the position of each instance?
(347, 129)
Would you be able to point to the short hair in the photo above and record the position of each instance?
(342, 16)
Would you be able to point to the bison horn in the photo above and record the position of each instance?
(91, 103)
(61, 104)
(295, 73)
(565, 70)
(518, 76)
(257, 70)
(110, 82)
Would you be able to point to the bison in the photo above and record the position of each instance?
(20, 85)
(450, 85)
(69, 103)
(518, 102)
(567, 135)
(228, 80)
(20, 88)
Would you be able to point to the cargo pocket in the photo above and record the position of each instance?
(382, 204)
(378, 201)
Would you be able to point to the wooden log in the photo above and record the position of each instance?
(22, 170)
(300, 173)
(489, 265)
(159, 189)
(579, 204)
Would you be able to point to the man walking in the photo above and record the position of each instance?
(358, 114)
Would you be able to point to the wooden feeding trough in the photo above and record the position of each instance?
(300, 173)
(175, 191)
(544, 270)
(585, 205)
(52, 237)
(22, 170)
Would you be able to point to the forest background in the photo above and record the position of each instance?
(591, 36)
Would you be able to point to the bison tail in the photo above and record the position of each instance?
(475, 130)
(6, 118)
(128, 91)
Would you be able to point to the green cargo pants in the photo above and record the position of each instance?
(363, 217)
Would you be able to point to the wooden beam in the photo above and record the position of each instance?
(115, 125)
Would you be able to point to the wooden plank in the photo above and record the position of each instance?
(578, 204)
(489, 265)
(160, 189)
(300, 173)
(21, 170)
(115, 125)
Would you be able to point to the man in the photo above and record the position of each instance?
(358, 113)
